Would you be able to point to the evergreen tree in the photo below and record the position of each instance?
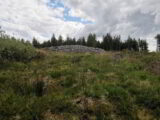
(60, 41)
(118, 43)
(158, 42)
(54, 41)
(98, 44)
(46, 44)
(79, 42)
(158, 37)
(132, 44)
(107, 42)
(35, 43)
(143, 46)
(68, 41)
(91, 41)
(111, 43)
(83, 41)
(74, 41)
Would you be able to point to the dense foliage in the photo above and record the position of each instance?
(13, 49)
(109, 43)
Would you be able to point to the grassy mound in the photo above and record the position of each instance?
(69, 86)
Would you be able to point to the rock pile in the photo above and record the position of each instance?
(76, 48)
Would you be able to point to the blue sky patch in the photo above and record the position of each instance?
(66, 16)
(55, 4)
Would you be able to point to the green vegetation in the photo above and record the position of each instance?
(67, 86)
(46, 85)
(12, 49)
(109, 43)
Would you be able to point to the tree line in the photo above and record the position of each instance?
(158, 42)
(109, 42)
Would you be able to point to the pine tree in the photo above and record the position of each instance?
(54, 41)
(35, 43)
(83, 41)
(107, 42)
(132, 44)
(143, 46)
(91, 41)
(158, 42)
(60, 40)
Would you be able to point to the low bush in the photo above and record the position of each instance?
(120, 97)
(149, 98)
(11, 105)
(12, 49)
(35, 108)
(68, 82)
(56, 74)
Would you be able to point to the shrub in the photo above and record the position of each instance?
(68, 82)
(3, 77)
(11, 105)
(120, 97)
(56, 74)
(35, 108)
(12, 49)
(150, 99)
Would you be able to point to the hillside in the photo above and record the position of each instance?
(81, 86)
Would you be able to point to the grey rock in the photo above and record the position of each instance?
(76, 48)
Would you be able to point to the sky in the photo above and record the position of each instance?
(76, 18)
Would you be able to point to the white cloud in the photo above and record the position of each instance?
(28, 18)
(138, 18)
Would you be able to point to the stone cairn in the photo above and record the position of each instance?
(76, 48)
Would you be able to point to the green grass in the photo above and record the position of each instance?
(81, 86)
